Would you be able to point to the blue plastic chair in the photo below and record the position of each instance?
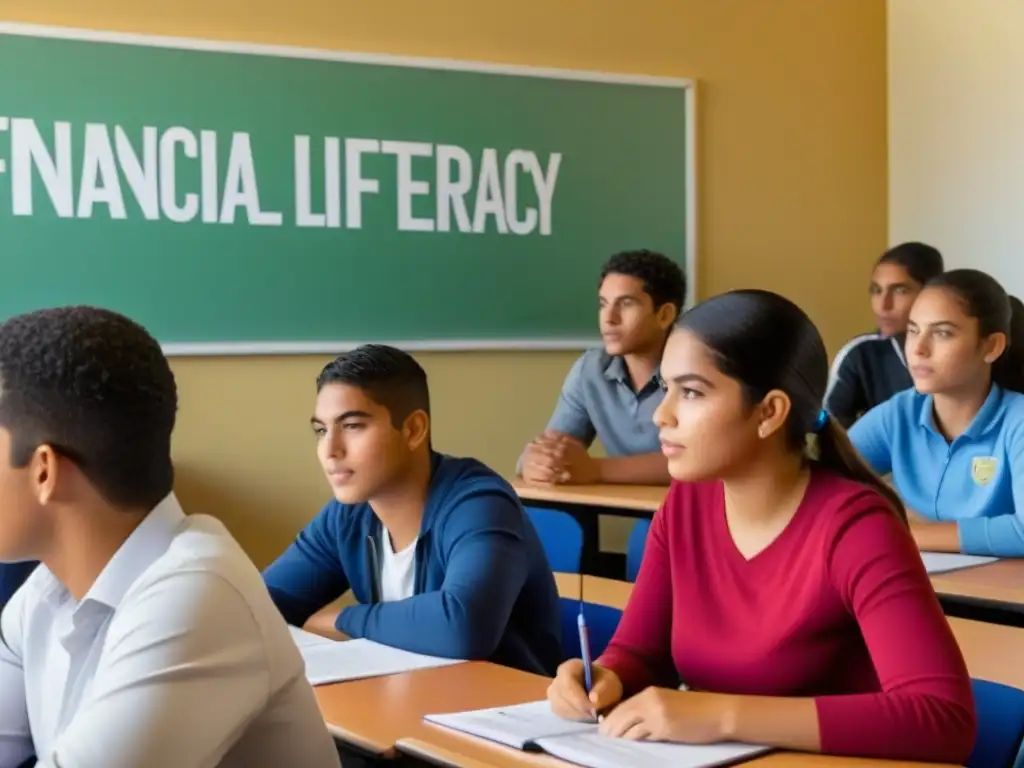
(602, 621)
(635, 548)
(1000, 724)
(561, 536)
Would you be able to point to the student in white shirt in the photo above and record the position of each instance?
(145, 637)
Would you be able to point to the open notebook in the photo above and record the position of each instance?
(331, 661)
(941, 562)
(533, 727)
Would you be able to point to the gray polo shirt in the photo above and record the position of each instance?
(598, 400)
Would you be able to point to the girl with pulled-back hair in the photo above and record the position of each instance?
(779, 581)
(955, 442)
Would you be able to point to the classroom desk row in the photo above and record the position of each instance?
(993, 593)
(383, 716)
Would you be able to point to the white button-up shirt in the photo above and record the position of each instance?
(176, 658)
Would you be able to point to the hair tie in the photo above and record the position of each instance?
(821, 421)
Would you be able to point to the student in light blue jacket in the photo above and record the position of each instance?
(437, 550)
(955, 443)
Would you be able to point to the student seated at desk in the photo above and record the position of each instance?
(437, 550)
(145, 637)
(955, 442)
(12, 576)
(611, 393)
(779, 583)
(872, 367)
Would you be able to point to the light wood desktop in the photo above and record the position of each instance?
(639, 498)
(445, 748)
(375, 713)
(1000, 582)
(989, 650)
(385, 714)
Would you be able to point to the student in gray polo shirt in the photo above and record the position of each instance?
(611, 393)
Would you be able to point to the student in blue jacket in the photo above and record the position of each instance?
(437, 550)
(12, 576)
(955, 443)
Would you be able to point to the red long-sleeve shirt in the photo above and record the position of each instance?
(838, 607)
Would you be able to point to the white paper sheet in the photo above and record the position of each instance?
(941, 562)
(580, 743)
(512, 726)
(596, 751)
(334, 662)
(305, 639)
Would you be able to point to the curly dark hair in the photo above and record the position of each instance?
(96, 388)
(390, 377)
(663, 280)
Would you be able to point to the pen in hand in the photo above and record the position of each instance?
(588, 669)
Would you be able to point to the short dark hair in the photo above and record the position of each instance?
(984, 299)
(390, 377)
(922, 262)
(662, 278)
(764, 341)
(96, 387)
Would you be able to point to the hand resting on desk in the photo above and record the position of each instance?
(554, 457)
(664, 714)
(322, 623)
(654, 714)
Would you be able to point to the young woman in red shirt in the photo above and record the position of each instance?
(780, 582)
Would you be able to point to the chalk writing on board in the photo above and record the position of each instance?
(183, 175)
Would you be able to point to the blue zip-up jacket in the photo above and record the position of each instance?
(483, 586)
(12, 576)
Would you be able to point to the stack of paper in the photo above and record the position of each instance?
(330, 661)
(305, 639)
(940, 562)
(534, 727)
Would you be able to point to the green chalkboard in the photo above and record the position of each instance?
(253, 199)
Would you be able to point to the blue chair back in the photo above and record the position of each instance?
(1000, 724)
(602, 621)
(561, 536)
(635, 548)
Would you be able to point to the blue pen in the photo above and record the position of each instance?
(588, 672)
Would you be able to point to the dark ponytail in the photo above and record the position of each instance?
(766, 342)
(921, 261)
(1008, 370)
(835, 452)
(984, 299)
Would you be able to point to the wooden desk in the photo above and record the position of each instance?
(373, 714)
(445, 748)
(635, 498)
(999, 587)
(383, 714)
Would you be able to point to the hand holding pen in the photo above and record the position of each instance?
(568, 698)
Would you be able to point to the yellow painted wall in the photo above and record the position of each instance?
(792, 166)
